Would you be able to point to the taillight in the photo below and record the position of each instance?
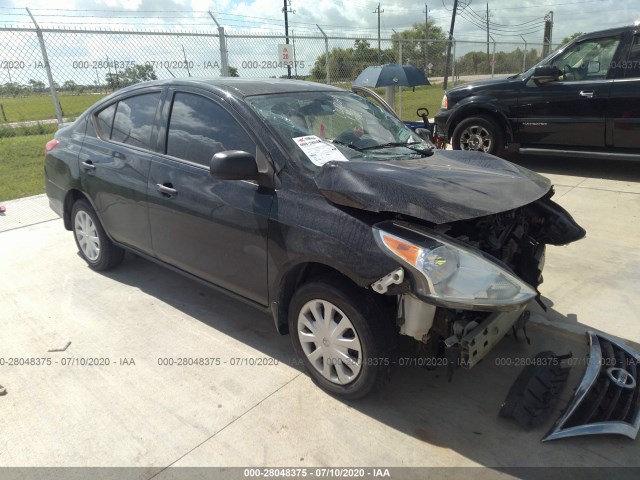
(445, 103)
(51, 144)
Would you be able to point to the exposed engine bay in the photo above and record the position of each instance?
(516, 239)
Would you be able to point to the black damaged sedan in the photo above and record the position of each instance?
(314, 204)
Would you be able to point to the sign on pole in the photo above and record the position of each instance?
(285, 52)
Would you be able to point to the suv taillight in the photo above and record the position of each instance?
(51, 144)
(445, 103)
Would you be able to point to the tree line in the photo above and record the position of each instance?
(427, 55)
(408, 46)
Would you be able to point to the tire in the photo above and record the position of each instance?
(93, 243)
(478, 134)
(355, 319)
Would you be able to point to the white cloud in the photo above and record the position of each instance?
(346, 18)
(357, 17)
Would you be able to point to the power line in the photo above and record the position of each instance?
(502, 32)
(496, 24)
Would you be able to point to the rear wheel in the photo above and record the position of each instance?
(344, 341)
(95, 246)
(480, 134)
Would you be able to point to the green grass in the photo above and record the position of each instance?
(429, 97)
(37, 129)
(40, 107)
(425, 96)
(22, 166)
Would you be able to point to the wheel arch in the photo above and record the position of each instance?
(297, 275)
(72, 197)
(478, 110)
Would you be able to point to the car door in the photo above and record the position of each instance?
(570, 111)
(624, 106)
(214, 229)
(114, 167)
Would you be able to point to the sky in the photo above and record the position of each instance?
(508, 18)
(87, 58)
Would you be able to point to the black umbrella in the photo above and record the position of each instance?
(391, 75)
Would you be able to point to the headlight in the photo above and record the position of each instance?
(445, 102)
(454, 275)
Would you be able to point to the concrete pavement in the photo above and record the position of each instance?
(252, 405)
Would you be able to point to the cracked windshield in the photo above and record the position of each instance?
(355, 127)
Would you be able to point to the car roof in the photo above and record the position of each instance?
(610, 31)
(240, 87)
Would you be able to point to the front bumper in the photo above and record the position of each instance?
(441, 119)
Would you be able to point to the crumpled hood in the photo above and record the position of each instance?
(445, 187)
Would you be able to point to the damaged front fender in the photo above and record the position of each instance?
(557, 226)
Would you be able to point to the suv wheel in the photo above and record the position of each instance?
(343, 339)
(95, 247)
(478, 134)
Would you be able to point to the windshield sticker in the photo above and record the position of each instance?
(319, 151)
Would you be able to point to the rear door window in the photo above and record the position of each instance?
(632, 65)
(134, 119)
(199, 128)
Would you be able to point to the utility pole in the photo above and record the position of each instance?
(446, 65)
(286, 9)
(378, 11)
(548, 34)
(550, 30)
(295, 64)
(426, 36)
(488, 58)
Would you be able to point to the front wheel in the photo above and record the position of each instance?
(480, 134)
(93, 243)
(344, 341)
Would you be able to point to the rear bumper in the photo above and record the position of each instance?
(56, 197)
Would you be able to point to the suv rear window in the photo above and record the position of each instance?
(632, 66)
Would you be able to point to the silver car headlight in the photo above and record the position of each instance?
(456, 275)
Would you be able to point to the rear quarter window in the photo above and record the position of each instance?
(134, 120)
(104, 121)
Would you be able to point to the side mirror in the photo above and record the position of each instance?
(423, 133)
(593, 67)
(546, 73)
(234, 165)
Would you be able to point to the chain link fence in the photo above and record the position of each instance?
(53, 62)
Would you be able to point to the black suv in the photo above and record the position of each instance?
(582, 100)
(313, 204)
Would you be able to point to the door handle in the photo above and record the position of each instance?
(88, 164)
(166, 189)
(590, 94)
